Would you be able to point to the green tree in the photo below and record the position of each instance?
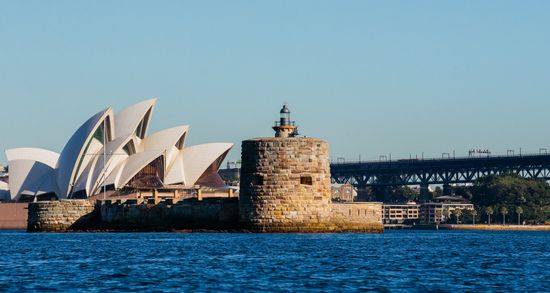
(489, 212)
(504, 212)
(510, 190)
(447, 214)
(519, 211)
(438, 215)
(474, 214)
(438, 191)
(394, 194)
(457, 213)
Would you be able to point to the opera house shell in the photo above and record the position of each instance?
(113, 152)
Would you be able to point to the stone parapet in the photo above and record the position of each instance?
(63, 215)
(357, 217)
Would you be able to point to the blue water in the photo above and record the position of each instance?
(393, 261)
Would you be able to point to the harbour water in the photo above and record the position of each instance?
(393, 261)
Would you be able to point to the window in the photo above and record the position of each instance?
(129, 148)
(258, 180)
(306, 180)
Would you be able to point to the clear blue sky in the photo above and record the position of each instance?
(400, 77)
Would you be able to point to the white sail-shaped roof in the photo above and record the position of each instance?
(101, 166)
(136, 163)
(111, 149)
(193, 161)
(134, 119)
(36, 154)
(176, 173)
(26, 177)
(170, 141)
(75, 155)
(131, 125)
(27, 168)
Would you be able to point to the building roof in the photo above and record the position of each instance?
(110, 149)
(448, 198)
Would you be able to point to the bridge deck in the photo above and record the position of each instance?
(439, 171)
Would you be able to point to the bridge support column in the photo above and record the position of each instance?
(447, 189)
(424, 192)
(364, 193)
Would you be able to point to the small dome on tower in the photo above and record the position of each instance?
(285, 109)
(285, 127)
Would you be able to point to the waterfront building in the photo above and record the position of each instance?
(398, 213)
(343, 192)
(113, 152)
(440, 209)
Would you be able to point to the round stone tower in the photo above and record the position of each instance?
(285, 182)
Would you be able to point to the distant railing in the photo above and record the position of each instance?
(291, 123)
(342, 161)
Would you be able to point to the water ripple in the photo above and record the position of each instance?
(396, 261)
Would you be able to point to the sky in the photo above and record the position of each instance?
(370, 77)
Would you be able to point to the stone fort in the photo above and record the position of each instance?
(285, 187)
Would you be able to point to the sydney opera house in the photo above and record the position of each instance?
(114, 152)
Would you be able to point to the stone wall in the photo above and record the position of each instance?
(285, 185)
(60, 215)
(133, 215)
(357, 217)
(208, 214)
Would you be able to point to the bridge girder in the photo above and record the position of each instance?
(444, 171)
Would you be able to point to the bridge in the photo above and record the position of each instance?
(445, 171)
(425, 172)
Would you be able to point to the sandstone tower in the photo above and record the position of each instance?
(285, 181)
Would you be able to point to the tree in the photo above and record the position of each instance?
(394, 194)
(438, 191)
(456, 213)
(438, 215)
(489, 213)
(447, 213)
(504, 212)
(519, 211)
(510, 190)
(474, 214)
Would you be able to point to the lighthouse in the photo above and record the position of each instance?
(285, 127)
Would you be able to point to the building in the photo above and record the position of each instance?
(442, 208)
(285, 186)
(399, 213)
(114, 152)
(343, 192)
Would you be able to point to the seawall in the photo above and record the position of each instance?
(357, 217)
(494, 227)
(133, 215)
(208, 214)
(212, 214)
(63, 215)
